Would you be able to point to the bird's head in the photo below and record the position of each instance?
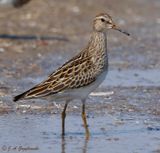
(104, 22)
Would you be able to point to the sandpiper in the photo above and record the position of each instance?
(78, 77)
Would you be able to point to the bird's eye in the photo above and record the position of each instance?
(103, 20)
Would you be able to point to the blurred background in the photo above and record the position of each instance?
(38, 36)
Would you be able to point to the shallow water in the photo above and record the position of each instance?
(135, 77)
(42, 133)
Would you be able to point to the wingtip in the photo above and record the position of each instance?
(15, 99)
(18, 97)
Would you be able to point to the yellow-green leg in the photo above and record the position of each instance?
(85, 120)
(63, 115)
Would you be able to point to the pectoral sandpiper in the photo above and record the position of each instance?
(78, 77)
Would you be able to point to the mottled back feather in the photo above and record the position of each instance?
(73, 74)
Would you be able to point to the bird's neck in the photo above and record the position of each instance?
(97, 50)
(98, 43)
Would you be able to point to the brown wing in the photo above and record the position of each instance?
(73, 74)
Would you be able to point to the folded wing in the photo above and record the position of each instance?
(73, 74)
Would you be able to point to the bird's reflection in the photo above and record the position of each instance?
(85, 146)
(64, 144)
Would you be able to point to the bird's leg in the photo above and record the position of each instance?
(63, 115)
(85, 120)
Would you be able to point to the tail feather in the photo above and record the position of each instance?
(19, 97)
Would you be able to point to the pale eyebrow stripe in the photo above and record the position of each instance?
(100, 17)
